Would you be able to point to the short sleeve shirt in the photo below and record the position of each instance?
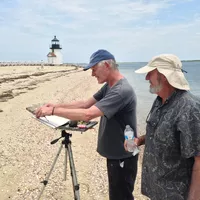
(172, 141)
(118, 104)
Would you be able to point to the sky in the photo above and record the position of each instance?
(132, 30)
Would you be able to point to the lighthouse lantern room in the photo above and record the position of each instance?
(55, 56)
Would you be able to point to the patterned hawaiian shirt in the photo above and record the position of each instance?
(172, 141)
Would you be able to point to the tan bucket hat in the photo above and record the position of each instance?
(171, 67)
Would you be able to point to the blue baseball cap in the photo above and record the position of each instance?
(97, 57)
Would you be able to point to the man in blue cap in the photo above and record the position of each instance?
(115, 103)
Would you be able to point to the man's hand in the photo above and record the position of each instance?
(44, 111)
(194, 192)
(136, 141)
(125, 145)
(49, 105)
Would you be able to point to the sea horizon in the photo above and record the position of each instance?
(128, 62)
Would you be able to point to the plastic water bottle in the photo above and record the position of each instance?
(129, 136)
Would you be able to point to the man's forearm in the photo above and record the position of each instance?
(72, 105)
(73, 114)
(194, 192)
(78, 104)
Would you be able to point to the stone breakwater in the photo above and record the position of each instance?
(4, 64)
(14, 82)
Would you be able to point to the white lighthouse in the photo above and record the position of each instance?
(55, 56)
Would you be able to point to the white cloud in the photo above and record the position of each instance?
(122, 26)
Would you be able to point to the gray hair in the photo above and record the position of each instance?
(111, 62)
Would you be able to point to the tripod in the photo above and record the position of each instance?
(68, 150)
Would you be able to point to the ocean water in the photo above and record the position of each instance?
(141, 86)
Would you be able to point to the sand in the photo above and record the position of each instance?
(26, 154)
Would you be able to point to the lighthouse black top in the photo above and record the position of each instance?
(55, 44)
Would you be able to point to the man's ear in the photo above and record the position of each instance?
(107, 65)
(164, 78)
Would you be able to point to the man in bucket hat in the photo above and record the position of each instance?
(171, 161)
(115, 103)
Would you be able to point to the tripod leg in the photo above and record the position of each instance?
(73, 173)
(48, 175)
(65, 167)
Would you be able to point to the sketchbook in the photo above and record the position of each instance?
(52, 120)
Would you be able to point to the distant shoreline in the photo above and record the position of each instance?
(5, 64)
(77, 65)
(147, 61)
(190, 60)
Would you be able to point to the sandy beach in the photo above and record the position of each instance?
(26, 154)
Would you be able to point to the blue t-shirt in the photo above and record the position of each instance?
(118, 104)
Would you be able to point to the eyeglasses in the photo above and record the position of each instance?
(183, 70)
(151, 122)
(153, 117)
